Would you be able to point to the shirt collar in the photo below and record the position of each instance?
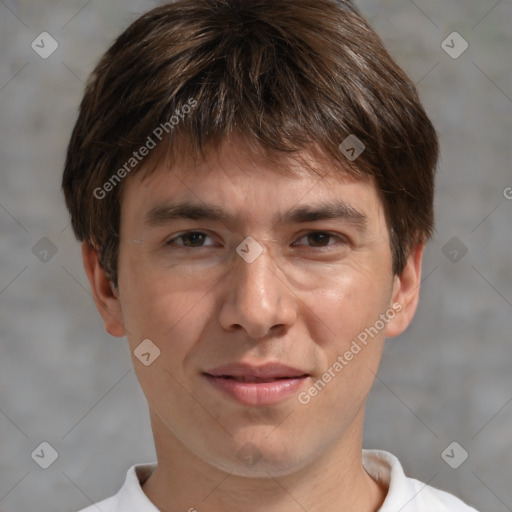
(380, 465)
(131, 496)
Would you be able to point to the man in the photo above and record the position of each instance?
(252, 183)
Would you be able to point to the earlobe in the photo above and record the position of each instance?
(106, 297)
(406, 292)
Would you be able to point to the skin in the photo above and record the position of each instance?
(301, 302)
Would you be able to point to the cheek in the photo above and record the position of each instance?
(351, 339)
(173, 321)
(350, 303)
(163, 310)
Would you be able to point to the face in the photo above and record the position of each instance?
(268, 345)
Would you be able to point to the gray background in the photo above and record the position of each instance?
(65, 381)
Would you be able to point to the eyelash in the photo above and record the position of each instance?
(183, 235)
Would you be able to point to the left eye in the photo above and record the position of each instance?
(194, 236)
(320, 237)
(196, 239)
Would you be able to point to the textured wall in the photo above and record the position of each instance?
(66, 382)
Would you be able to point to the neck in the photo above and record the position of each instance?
(335, 481)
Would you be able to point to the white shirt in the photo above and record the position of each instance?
(404, 494)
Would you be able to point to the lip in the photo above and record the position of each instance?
(265, 371)
(257, 385)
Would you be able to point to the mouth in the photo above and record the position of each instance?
(254, 379)
(257, 385)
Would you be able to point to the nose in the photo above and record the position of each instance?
(257, 297)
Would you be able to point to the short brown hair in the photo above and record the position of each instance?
(287, 74)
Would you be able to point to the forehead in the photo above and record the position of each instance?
(247, 188)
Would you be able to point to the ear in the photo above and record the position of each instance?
(406, 293)
(105, 294)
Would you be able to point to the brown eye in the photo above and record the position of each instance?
(190, 239)
(321, 238)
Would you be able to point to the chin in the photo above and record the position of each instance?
(258, 461)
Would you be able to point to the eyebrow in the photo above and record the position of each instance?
(166, 212)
